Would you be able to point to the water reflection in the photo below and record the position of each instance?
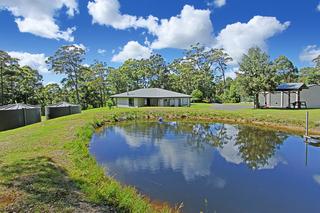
(237, 144)
(191, 162)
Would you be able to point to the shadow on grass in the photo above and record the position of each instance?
(45, 187)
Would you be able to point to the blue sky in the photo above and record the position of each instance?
(115, 30)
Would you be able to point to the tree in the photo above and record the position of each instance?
(231, 93)
(309, 75)
(160, 74)
(221, 58)
(256, 73)
(194, 71)
(67, 60)
(286, 71)
(51, 94)
(184, 77)
(118, 80)
(196, 95)
(28, 88)
(8, 68)
(100, 73)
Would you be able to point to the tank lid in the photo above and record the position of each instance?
(18, 106)
(62, 104)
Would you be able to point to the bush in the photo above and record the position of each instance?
(110, 103)
(196, 95)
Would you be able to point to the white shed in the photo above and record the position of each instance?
(291, 95)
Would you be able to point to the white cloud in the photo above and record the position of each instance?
(316, 178)
(107, 12)
(238, 38)
(219, 3)
(132, 50)
(318, 7)
(167, 155)
(189, 27)
(35, 61)
(38, 17)
(173, 33)
(309, 53)
(82, 46)
(101, 51)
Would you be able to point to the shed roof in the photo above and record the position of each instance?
(291, 86)
(62, 104)
(151, 93)
(18, 106)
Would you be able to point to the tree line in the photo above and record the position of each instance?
(200, 72)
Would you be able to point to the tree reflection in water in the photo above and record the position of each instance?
(213, 134)
(255, 146)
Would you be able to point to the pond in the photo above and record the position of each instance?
(212, 167)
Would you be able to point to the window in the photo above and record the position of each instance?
(131, 102)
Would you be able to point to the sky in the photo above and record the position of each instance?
(116, 30)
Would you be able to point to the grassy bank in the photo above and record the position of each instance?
(47, 166)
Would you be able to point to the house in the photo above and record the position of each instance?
(291, 95)
(151, 97)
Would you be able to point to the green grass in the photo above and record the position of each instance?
(200, 105)
(47, 167)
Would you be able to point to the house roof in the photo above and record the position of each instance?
(62, 104)
(17, 106)
(151, 93)
(291, 86)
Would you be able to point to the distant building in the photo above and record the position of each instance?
(291, 95)
(151, 97)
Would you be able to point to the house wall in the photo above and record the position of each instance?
(161, 102)
(122, 102)
(274, 99)
(185, 101)
(153, 102)
(139, 102)
(311, 96)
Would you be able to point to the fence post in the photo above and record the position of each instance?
(307, 124)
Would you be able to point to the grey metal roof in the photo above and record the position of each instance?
(151, 93)
(17, 106)
(291, 86)
(62, 104)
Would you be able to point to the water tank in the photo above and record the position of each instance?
(61, 109)
(17, 115)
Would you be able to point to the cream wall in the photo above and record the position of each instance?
(122, 102)
(140, 102)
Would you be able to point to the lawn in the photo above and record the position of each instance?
(47, 167)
